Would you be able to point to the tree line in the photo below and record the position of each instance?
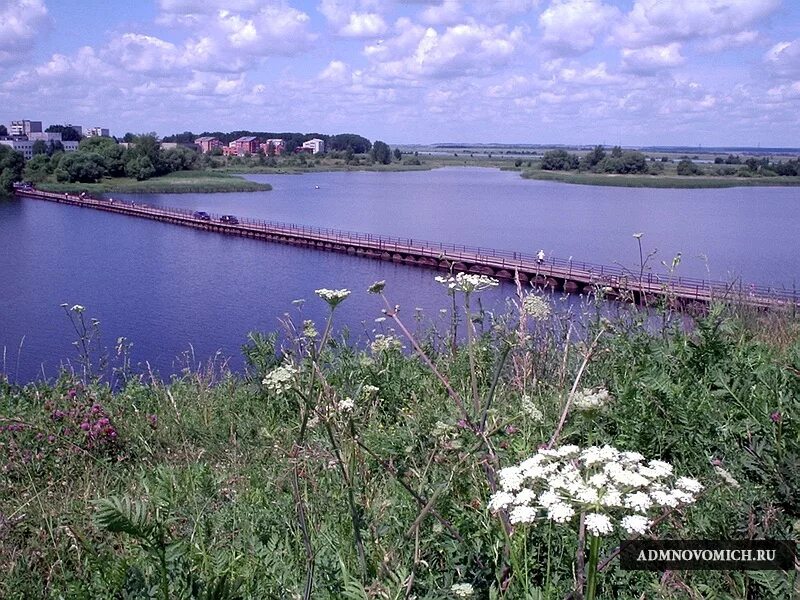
(99, 157)
(597, 161)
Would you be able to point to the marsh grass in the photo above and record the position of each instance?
(180, 182)
(368, 473)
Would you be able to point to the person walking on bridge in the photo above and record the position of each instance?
(540, 257)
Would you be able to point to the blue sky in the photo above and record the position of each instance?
(633, 72)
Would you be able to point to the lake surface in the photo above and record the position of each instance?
(172, 290)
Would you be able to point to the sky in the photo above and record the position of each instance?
(629, 72)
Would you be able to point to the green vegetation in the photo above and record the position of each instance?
(11, 165)
(334, 470)
(658, 181)
(174, 183)
(636, 168)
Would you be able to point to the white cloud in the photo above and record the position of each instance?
(469, 49)
(22, 21)
(652, 58)
(731, 40)
(784, 58)
(336, 72)
(354, 18)
(589, 76)
(448, 12)
(652, 22)
(573, 26)
(364, 25)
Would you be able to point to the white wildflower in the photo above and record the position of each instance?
(467, 282)
(332, 297)
(346, 405)
(536, 307)
(662, 468)
(727, 477)
(591, 399)
(511, 478)
(523, 514)
(638, 501)
(568, 451)
(664, 499)
(526, 496)
(548, 498)
(369, 390)
(385, 343)
(689, 484)
(560, 512)
(610, 485)
(530, 409)
(309, 329)
(500, 500)
(598, 524)
(635, 524)
(611, 498)
(462, 590)
(279, 380)
(78, 308)
(631, 457)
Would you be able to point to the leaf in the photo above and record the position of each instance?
(123, 515)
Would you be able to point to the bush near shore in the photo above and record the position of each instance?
(336, 469)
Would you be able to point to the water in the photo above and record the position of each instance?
(172, 290)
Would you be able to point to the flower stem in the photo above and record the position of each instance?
(594, 554)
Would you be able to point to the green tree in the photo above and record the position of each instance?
(145, 146)
(342, 141)
(140, 167)
(183, 159)
(3, 131)
(83, 167)
(37, 169)
(68, 134)
(39, 147)
(54, 146)
(397, 154)
(113, 154)
(381, 152)
(616, 152)
(687, 167)
(11, 165)
(595, 157)
(559, 160)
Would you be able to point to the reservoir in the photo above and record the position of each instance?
(183, 296)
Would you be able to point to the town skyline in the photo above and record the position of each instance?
(627, 72)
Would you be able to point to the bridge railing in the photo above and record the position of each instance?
(550, 266)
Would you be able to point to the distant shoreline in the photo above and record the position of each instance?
(659, 181)
(228, 179)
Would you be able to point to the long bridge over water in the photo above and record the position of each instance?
(553, 273)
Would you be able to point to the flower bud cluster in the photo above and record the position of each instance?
(385, 343)
(592, 399)
(536, 307)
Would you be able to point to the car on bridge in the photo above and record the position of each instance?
(230, 219)
(202, 215)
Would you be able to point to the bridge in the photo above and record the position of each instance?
(551, 273)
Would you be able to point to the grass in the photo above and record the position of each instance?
(215, 484)
(658, 181)
(174, 183)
